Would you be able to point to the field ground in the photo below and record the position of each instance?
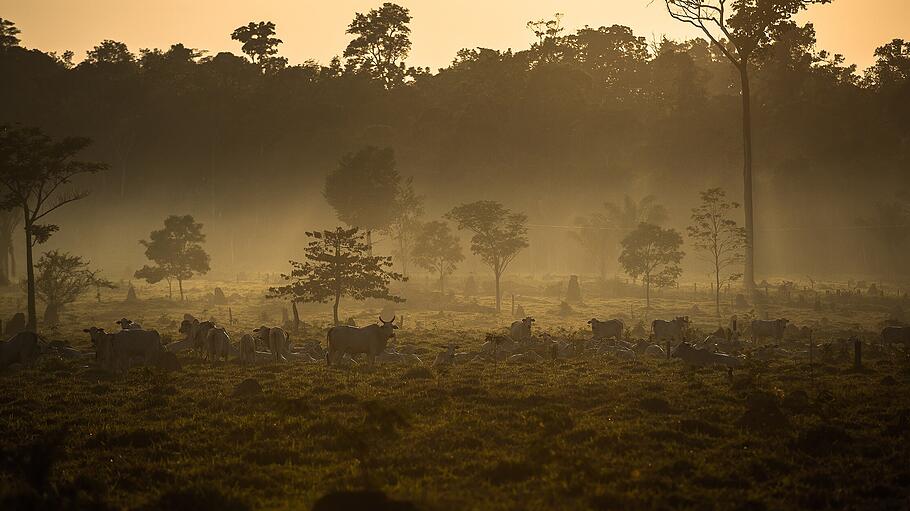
(581, 433)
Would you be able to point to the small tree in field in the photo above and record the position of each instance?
(652, 253)
(338, 263)
(437, 250)
(61, 278)
(718, 236)
(177, 253)
(499, 235)
(36, 174)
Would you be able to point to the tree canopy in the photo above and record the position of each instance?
(338, 263)
(176, 251)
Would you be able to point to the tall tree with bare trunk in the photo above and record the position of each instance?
(36, 174)
(741, 30)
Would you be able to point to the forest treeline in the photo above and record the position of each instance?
(244, 141)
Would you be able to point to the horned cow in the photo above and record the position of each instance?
(346, 340)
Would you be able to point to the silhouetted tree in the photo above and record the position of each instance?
(260, 43)
(363, 189)
(654, 254)
(595, 235)
(741, 30)
(437, 250)
(177, 253)
(890, 225)
(9, 220)
(499, 235)
(8, 33)
(718, 236)
(405, 224)
(381, 43)
(109, 52)
(61, 278)
(338, 263)
(34, 173)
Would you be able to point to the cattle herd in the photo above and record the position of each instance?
(133, 345)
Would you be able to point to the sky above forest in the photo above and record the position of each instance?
(316, 29)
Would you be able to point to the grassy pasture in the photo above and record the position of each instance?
(587, 433)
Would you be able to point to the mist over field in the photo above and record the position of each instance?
(607, 269)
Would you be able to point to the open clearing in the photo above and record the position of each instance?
(580, 433)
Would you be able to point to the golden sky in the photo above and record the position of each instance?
(312, 29)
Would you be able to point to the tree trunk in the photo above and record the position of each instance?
(498, 293)
(12, 261)
(335, 308)
(717, 291)
(4, 262)
(648, 292)
(170, 290)
(749, 271)
(32, 325)
(180, 285)
(51, 315)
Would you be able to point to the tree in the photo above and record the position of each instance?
(34, 172)
(110, 52)
(260, 43)
(177, 253)
(61, 278)
(437, 250)
(594, 235)
(405, 224)
(890, 226)
(338, 263)
(654, 254)
(381, 43)
(718, 236)
(9, 220)
(499, 235)
(8, 33)
(363, 188)
(631, 214)
(741, 30)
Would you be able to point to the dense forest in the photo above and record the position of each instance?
(244, 141)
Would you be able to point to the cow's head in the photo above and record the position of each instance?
(527, 321)
(95, 333)
(388, 327)
(782, 323)
(682, 320)
(592, 321)
(187, 325)
(124, 323)
(262, 332)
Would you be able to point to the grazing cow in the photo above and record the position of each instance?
(21, 348)
(247, 349)
(774, 328)
(607, 329)
(692, 356)
(670, 330)
(114, 351)
(896, 334)
(196, 331)
(127, 324)
(347, 340)
(521, 330)
(217, 344)
(277, 340)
